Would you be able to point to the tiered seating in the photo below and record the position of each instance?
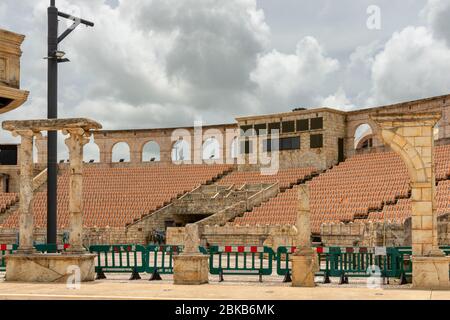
(349, 190)
(402, 209)
(285, 177)
(357, 185)
(7, 200)
(279, 210)
(116, 196)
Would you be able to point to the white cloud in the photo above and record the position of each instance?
(413, 65)
(338, 100)
(293, 79)
(437, 14)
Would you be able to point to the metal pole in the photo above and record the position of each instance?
(52, 113)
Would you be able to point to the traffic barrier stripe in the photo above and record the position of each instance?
(4, 247)
(251, 249)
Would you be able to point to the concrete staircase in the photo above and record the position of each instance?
(204, 205)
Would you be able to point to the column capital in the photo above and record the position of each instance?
(77, 136)
(26, 133)
(394, 120)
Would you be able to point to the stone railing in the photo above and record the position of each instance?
(40, 179)
(225, 215)
(269, 235)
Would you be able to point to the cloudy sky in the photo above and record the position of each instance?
(159, 63)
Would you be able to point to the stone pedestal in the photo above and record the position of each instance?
(431, 273)
(190, 269)
(303, 269)
(50, 268)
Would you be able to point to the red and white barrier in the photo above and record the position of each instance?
(6, 247)
(251, 249)
(346, 250)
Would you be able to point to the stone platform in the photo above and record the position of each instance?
(49, 268)
(431, 273)
(190, 269)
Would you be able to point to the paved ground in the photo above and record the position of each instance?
(118, 287)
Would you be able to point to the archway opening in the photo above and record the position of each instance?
(234, 152)
(211, 149)
(436, 132)
(91, 152)
(121, 152)
(181, 151)
(151, 152)
(363, 137)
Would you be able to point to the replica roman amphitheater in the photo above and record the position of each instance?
(364, 178)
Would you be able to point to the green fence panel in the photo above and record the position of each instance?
(241, 260)
(283, 265)
(4, 250)
(120, 258)
(160, 258)
(351, 262)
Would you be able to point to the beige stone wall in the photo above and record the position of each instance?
(376, 234)
(364, 234)
(322, 158)
(272, 236)
(362, 116)
(175, 236)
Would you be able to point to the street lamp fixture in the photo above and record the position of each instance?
(54, 57)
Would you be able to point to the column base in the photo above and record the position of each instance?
(303, 269)
(49, 268)
(430, 273)
(190, 269)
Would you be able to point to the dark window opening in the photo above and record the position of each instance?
(316, 141)
(270, 145)
(274, 126)
(246, 131)
(288, 126)
(8, 155)
(261, 129)
(246, 147)
(303, 125)
(316, 123)
(290, 143)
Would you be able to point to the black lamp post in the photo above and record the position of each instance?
(54, 57)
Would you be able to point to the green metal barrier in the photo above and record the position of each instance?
(240, 260)
(283, 265)
(4, 250)
(355, 262)
(120, 259)
(160, 259)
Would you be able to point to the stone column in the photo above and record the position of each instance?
(26, 219)
(303, 260)
(191, 267)
(75, 143)
(135, 152)
(411, 136)
(41, 145)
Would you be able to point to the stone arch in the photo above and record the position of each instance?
(151, 152)
(363, 136)
(217, 138)
(234, 148)
(121, 150)
(91, 152)
(408, 153)
(181, 151)
(181, 142)
(437, 132)
(211, 149)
